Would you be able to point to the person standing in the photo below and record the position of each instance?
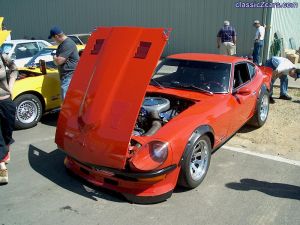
(7, 112)
(66, 57)
(258, 41)
(226, 39)
(281, 68)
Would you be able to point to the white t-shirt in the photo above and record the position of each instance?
(282, 65)
(260, 30)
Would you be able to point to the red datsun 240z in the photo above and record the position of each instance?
(131, 126)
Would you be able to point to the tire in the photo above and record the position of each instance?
(29, 111)
(192, 175)
(262, 110)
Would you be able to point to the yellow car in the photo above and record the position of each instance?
(37, 89)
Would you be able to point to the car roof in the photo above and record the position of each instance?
(77, 34)
(22, 41)
(207, 57)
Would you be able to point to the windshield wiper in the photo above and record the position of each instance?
(193, 87)
(159, 84)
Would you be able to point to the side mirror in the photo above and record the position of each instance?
(43, 66)
(243, 91)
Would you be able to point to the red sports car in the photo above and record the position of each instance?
(129, 127)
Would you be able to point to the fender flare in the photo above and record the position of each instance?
(198, 132)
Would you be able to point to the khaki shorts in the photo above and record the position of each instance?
(227, 48)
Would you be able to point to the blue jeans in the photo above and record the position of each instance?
(257, 51)
(7, 123)
(284, 81)
(64, 84)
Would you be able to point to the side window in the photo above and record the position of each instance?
(241, 75)
(25, 50)
(75, 39)
(251, 69)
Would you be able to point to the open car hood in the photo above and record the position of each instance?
(107, 89)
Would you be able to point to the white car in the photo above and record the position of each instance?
(21, 51)
(79, 39)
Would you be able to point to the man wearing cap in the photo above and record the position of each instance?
(258, 41)
(226, 39)
(281, 68)
(66, 57)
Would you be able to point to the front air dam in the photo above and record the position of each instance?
(141, 188)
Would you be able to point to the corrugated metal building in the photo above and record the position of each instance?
(195, 23)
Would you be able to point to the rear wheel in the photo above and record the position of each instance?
(29, 111)
(196, 163)
(262, 110)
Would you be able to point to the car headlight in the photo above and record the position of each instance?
(158, 151)
(150, 156)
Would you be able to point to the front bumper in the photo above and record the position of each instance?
(150, 187)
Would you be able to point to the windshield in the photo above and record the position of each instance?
(5, 48)
(44, 54)
(198, 76)
(84, 38)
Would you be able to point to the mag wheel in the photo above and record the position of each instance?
(196, 163)
(28, 111)
(262, 110)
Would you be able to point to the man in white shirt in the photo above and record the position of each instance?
(258, 41)
(281, 68)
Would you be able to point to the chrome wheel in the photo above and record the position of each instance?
(27, 111)
(264, 107)
(199, 160)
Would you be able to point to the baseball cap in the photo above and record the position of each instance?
(226, 23)
(256, 22)
(55, 31)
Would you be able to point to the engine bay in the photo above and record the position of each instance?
(156, 111)
(24, 74)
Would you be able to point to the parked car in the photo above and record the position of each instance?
(37, 89)
(23, 50)
(79, 39)
(123, 129)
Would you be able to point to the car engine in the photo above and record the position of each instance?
(156, 111)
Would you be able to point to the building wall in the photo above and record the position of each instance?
(195, 23)
(287, 22)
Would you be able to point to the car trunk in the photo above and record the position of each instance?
(104, 98)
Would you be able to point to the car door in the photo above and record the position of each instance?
(244, 94)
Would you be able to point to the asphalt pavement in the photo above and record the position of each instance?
(239, 189)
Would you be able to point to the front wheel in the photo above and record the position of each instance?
(29, 111)
(196, 163)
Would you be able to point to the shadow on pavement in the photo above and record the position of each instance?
(274, 189)
(51, 166)
(247, 129)
(296, 101)
(50, 119)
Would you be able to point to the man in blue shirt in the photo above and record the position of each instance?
(226, 39)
